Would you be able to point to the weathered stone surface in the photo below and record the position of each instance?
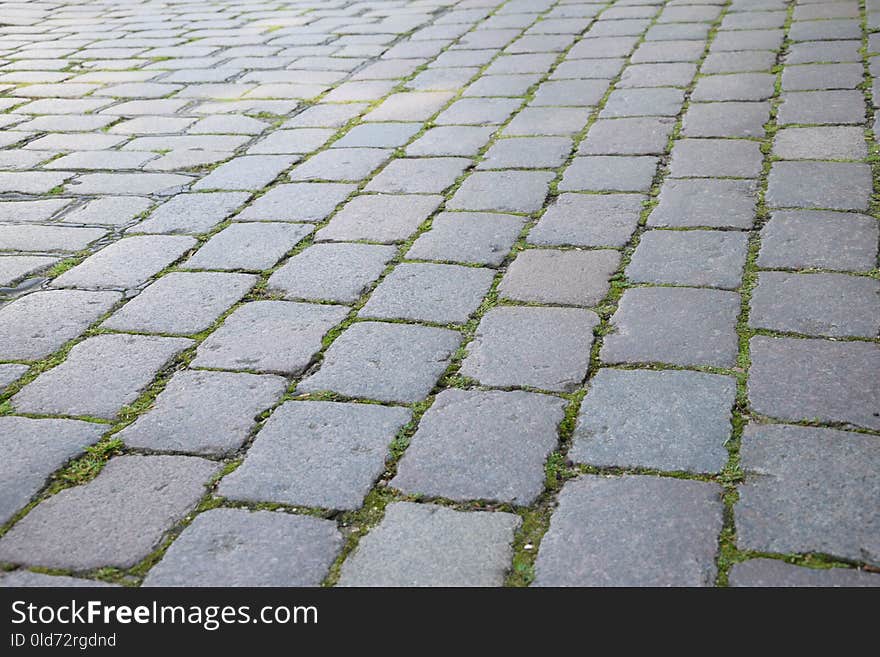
(482, 445)
(27, 578)
(191, 213)
(255, 246)
(693, 203)
(668, 420)
(127, 263)
(380, 218)
(249, 548)
(610, 173)
(809, 490)
(507, 191)
(297, 202)
(201, 412)
(692, 257)
(181, 303)
(443, 294)
(434, 546)
(835, 305)
(317, 454)
(830, 185)
(10, 372)
(386, 362)
(269, 336)
(469, 237)
(546, 348)
(632, 531)
(15, 267)
(36, 325)
(679, 326)
(774, 573)
(588, 220)
(32, 451)
(570, 277)
(95, 524)
(100, 376)
(807, 379)
(332, 272)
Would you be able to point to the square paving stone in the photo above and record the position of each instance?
(332, 272)
(191, 213)
(510, 191)
(238, 547)
(576, 93)
(410, 106)
(822, 107)
(269, 336)
(116, 519)
(664, 101)
(502, 85)
(202, 412)
(30, 579)
(479, 111)
(181, 303)
(629, 136)
(735, 86)
(669, 420)
(548, 121)
(255, 246)
(692, 203)
(37, 324)
(545, 348)
(609, 173)
(33, 450)
(451, 140)
(801, 379)
(430, 175)
(341, 164)
(386, 362)
(802, 239)
(702, 258)
(297, 140)
(632, 531)
(716, 158)
(808, 77)
(570, 277)
(589, 220)
(815, 52)
(250, 172)
(726, 119)
(675, 74)
(527, 153)
(47, 238)
(380, 217)
(809, 490)
(317, 454)
(468, 237)
(835, 305)
(831, 185)
(444, 294)
(433, 546)
(825, 143)
(679, 326)
(297, 202)
(482, 445)
(378, 135)
(766, 573)
(126, 263)
(100, 376)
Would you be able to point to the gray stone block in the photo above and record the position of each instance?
(679, 326)
(822, 107)
(181, 303)
(341, 164)
(527, 153)
(701, 258)
(632, 531)
(430, 175)
(269, 336)
(809, 490)
(589, 220)
(716, 158)
(38, 324)
(444, 294)
(570, 277)
(507, 191)
(332, 272)
(255, 246)
(628, 136)
(598, 173)
(826, 143)
(433, 546)
(451, 140)
(668, 420)
(802, 379)
(482, 445)
(33, 450)
(831, 185)
(297, 202)
(726, 119)
(237, 547)
(386, 362)
(191, 213)
(380, 217)
(317, 454)
(469, 237)
(506, 350)
(202, 412)
(692, 203)
(100, 376)
(116, 519)
(774, 573)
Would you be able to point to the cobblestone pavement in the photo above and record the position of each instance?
(439, 292)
